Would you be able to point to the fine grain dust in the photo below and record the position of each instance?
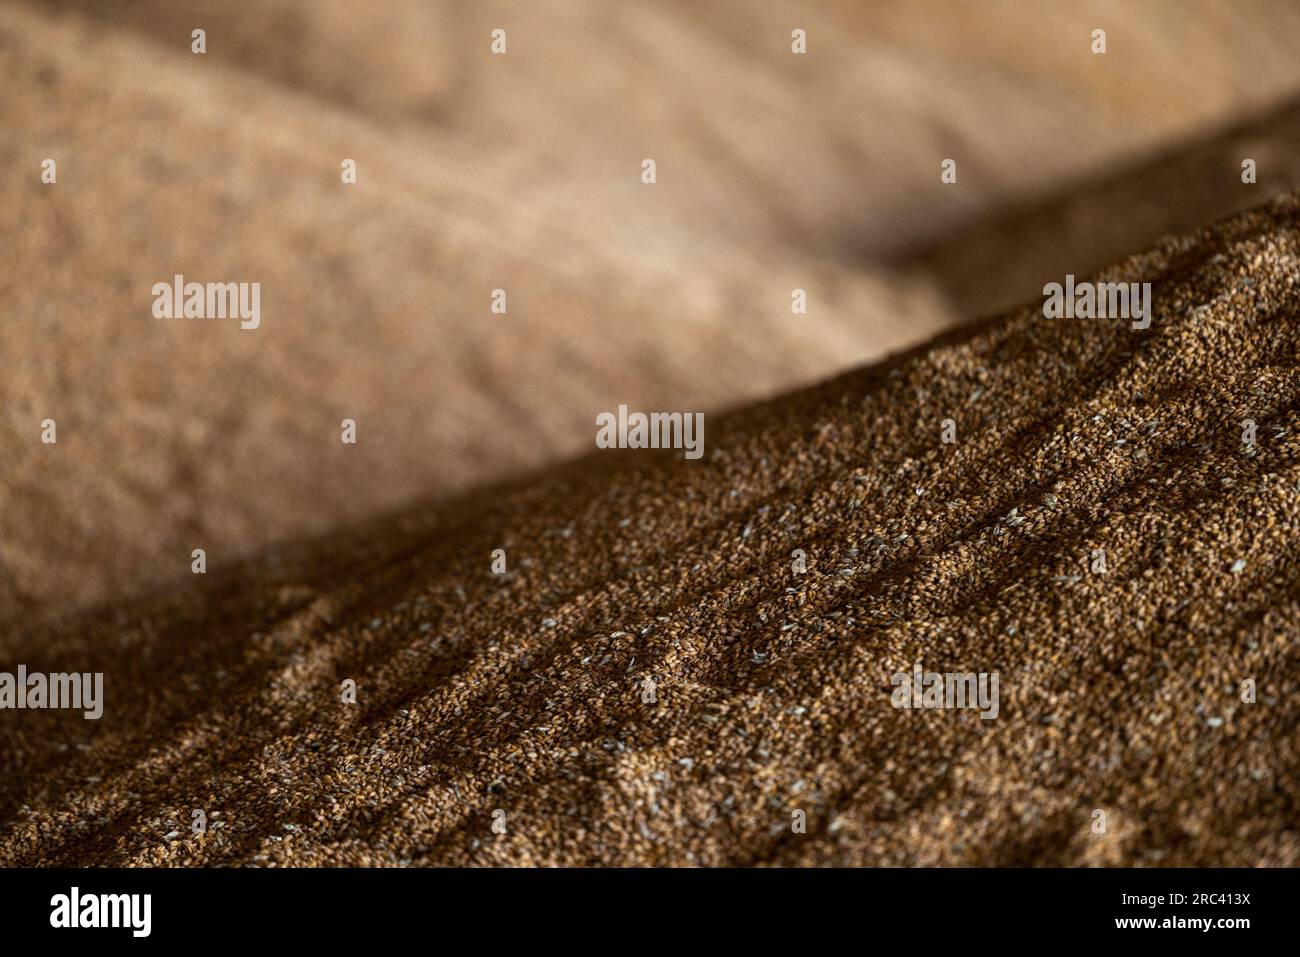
(524, 694)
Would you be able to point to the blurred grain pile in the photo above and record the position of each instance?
(518, 172)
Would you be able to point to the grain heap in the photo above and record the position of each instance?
(508, 719)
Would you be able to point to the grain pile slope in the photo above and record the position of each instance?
(375, 306)
(526, 694)
(520, 172)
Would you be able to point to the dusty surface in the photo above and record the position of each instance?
(518, 172)
(524, 694)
